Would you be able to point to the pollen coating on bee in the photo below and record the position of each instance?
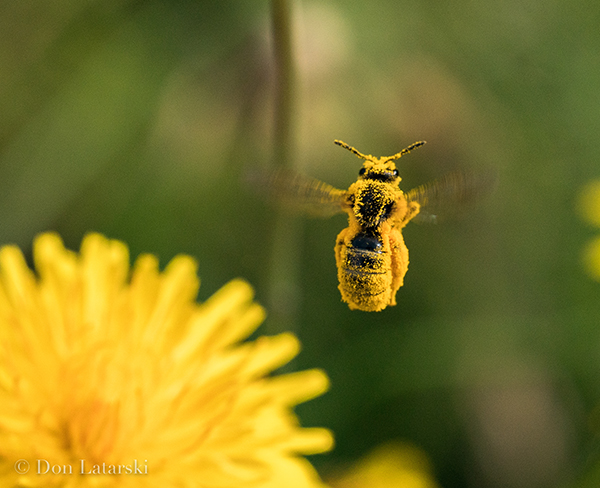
(371, 255)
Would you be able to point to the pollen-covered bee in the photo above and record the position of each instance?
(371, 256)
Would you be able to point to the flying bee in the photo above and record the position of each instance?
(370, 254)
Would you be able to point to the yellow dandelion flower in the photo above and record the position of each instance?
(589, 208)
(392, 465)
(111, 378)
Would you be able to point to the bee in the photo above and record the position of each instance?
(370, 253)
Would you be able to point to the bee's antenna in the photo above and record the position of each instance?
(406, 151)
(352, 150)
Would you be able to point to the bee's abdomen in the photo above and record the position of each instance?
(365, 275)
(365, 254)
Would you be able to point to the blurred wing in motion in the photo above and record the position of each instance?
(303, 193)
(450, 194)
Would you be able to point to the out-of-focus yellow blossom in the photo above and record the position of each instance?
(591, 258)
(589, 207)
(117, 378)
(393, 465)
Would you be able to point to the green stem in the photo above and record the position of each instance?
(284, 266)
(285, 73)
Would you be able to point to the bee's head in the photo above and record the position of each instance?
(380, 169)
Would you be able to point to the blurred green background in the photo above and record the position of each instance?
(138, 119)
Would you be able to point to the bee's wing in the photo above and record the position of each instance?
(300, 192)
(450, 194)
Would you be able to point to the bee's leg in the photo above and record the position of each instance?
(339, 242)
(399, 262)
(412, 209)
(339, 261)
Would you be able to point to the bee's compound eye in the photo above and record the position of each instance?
(361, 171)
(395, 172)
